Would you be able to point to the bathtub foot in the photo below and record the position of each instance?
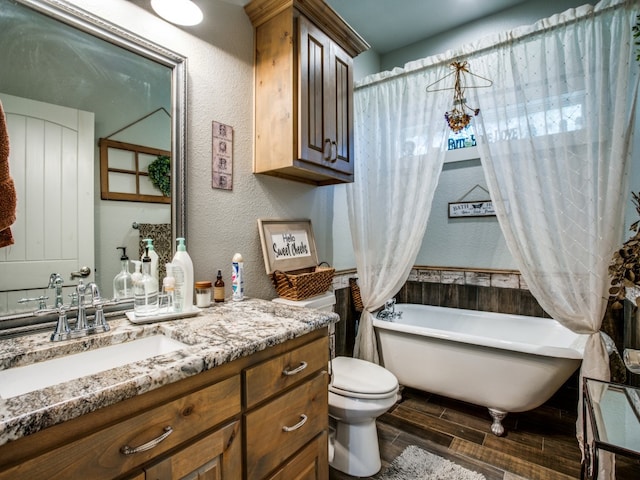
(496, 426)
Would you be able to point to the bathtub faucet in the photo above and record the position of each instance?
(389, 311)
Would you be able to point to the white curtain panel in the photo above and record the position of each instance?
(399, 134)
(555, 136)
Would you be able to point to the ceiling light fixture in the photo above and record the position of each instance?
(180, 12)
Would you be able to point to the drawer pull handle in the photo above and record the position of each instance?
(303, 420)
(127, 450)
(298, 369)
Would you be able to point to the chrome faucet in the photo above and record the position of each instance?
(56, 281)
(84, 296)
(81, 321)
(389, 311)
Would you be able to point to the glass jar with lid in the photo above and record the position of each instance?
(203, 294)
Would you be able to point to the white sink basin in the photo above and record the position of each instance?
(19, 380)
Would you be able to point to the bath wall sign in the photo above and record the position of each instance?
(222, 156)
(480, 208)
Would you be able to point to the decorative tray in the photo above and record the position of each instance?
(162, 317)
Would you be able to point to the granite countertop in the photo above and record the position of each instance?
(217, 335)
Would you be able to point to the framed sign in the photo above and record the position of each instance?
(481, 208)
(287, 244)
(222, 156)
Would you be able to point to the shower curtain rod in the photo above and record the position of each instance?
(458, 54)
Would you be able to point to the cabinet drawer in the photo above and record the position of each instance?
(273, 376)
(98, 455)
(268, 441)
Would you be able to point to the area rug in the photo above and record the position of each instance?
(417, 464)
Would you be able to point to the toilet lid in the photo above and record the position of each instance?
(358, 378)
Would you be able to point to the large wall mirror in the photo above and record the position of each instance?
(69, 79)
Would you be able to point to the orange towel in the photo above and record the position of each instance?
(8, 198)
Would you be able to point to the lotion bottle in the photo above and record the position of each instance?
(183, 259)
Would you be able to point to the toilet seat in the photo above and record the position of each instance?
(355, 378)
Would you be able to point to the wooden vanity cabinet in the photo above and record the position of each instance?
(303, 91)
(226, 424)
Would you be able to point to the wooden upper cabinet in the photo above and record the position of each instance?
(303, 91)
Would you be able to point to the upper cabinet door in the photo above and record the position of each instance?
(314, 145)
(340, 83)
(325, 101)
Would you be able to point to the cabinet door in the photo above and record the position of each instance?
(311, 463)
(215, 457)
(325, 101)
(339, 84)
(314, 142)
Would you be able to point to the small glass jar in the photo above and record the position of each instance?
(203, 294)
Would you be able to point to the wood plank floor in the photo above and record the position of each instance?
(538, 445)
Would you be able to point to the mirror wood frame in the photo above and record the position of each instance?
(89, 23)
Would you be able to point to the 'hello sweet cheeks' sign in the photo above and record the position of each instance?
(290, 245)
(287, 245)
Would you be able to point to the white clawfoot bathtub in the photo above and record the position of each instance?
(507, 363)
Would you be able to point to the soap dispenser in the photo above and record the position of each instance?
(122, 282)
(150, 251)
(145, 290)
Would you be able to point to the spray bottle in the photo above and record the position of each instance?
(237, 278)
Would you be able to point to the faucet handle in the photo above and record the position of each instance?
(42, 299)
(390, 304)
(62, 330)
(74, 299)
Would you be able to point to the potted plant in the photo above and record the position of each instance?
(160, 174)
(624, 269)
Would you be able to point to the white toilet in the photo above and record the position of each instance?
(359, 392)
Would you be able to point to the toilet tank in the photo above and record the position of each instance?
(324, 302)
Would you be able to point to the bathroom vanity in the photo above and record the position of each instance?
(246, 398)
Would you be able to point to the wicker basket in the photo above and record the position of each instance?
(304, 283)
(355, 295)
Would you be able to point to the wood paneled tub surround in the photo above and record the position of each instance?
(205, 410)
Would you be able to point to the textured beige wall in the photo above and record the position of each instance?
(220, 87)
